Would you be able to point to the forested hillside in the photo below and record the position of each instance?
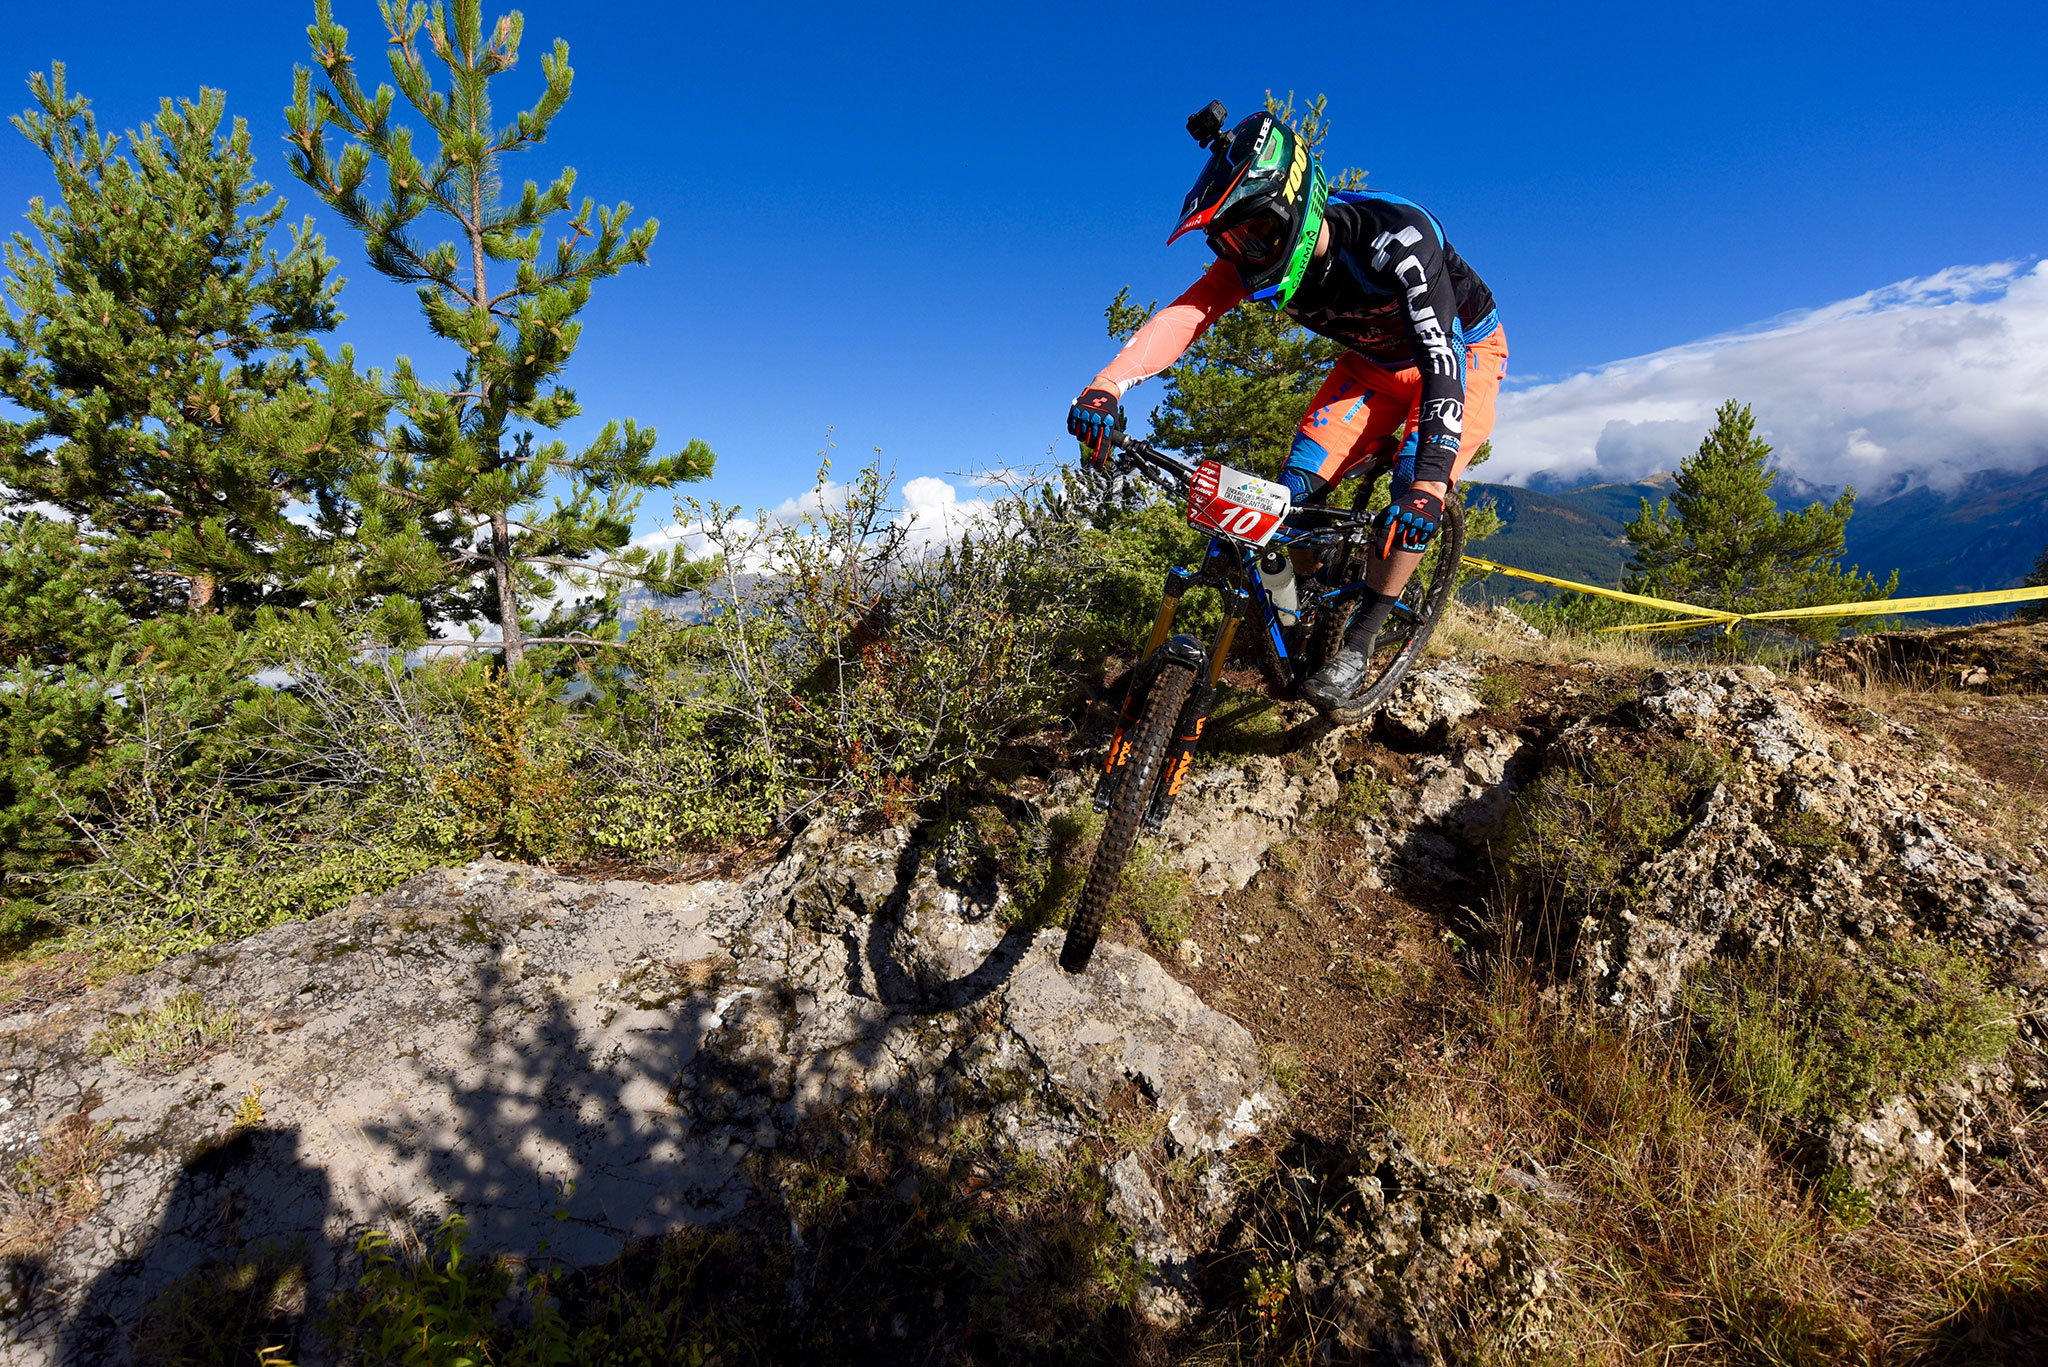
(1984, 535)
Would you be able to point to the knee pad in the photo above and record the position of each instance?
(1304, 463)
(1302, 486)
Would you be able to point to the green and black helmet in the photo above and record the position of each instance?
(1260, 201)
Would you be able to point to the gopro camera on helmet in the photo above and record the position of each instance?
(1205, 125)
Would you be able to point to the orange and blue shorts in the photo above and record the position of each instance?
(1358, 416)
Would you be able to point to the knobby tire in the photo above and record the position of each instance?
(1327, 625)
(1137, 780)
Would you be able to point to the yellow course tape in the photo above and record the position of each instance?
(1707, 617)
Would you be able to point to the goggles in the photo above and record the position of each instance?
(1254, 242)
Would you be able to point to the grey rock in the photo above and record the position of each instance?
(1729, 883)
(1167, 1295)
(1229, 816)
(1432, 829)
(572, 1065)
(1510, 621)
(1900, 866)
(1421, 1254)
(1432, 700)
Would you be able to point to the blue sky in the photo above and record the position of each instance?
(903, 224)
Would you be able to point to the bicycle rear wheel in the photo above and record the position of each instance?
(1406, 635)
(1136, 779)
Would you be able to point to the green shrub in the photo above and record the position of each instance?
(1362, 795)
(670, 763)
(172, 1036)
(1051, 870)
(1843, 1199)
(1577, 836)
(511, 776)
(1498, 690)
(1800, 1036)
(439, 1308)
(79, 742)
(1807, 830)
(203, 868)
(1155, 893)
(871, 674)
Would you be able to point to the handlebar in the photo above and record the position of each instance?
(1173, 473)
(1163, 468)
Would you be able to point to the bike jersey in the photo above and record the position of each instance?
(1389, 288)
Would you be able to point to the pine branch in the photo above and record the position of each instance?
(453, 644)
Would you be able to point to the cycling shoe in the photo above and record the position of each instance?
(1332, 685)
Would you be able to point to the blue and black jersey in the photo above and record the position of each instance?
(1393, 290)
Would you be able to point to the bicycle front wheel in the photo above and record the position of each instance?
(1136, 780)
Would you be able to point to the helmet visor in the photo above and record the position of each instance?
(1224, 174)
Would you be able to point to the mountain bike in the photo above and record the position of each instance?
(1253, 524)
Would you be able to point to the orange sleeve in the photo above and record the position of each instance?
(1173, 329)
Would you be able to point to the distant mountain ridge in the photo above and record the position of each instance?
(1985, 535)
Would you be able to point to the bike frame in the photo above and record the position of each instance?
(1232, 568)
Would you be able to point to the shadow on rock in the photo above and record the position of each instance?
(240, 1261)
(931, 927)
(558, 1138)
(1365, 1253)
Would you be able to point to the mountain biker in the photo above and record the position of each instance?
(1370, 270)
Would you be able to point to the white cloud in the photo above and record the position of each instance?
(934, 513)
(693, 537)
(1925, 381)
(825, 497)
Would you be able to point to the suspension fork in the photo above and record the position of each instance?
(1194, 713)
(1177, 582)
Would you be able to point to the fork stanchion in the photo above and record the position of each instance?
(1177, 580)
(1194, 713)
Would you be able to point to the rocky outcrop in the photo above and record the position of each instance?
(1229, 815)
(572, 1065)
(1814, 838)
(1800, 842)
(1431, 701)
(1416, 1259)
(2003, 657)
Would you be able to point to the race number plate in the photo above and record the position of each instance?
(1234, 504)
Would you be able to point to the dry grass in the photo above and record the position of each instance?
(1679, 1229)
(1465, 628)
(55, 1188)
(32, 984)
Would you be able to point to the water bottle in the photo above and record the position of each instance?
(1276, 572)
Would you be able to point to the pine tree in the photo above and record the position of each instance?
(1719, 541)
(2038, 579)
(460, 498)
(163, 355)
(55, 607)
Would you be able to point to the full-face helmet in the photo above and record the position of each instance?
(1259, 201)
